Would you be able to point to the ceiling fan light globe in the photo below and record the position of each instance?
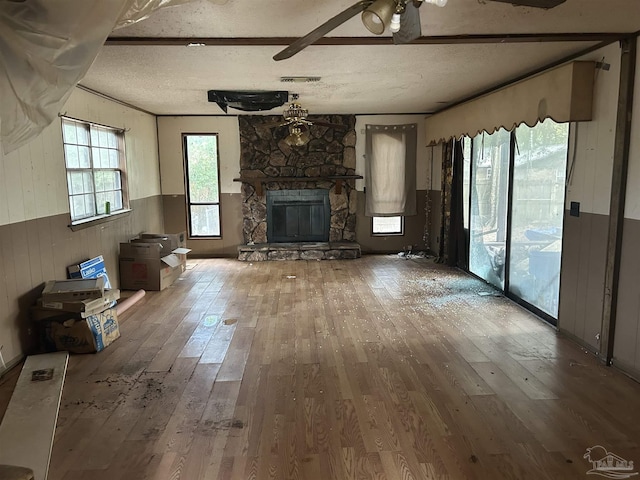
(296, 140)
(378, 15)
(305, 137)
(394, 26)
(298, 136)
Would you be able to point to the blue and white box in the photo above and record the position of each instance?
(92, 268)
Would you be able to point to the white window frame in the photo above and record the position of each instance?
(95, 151)
(380, 233)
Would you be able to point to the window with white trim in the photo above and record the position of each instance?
(96, 176)
(202, 184)
(387, 225)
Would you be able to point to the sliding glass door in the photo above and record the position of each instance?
(488, 219)
(514, 184)
(537, 209)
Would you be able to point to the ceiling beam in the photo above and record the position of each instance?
(425, 40)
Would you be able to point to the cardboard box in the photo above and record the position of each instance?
(171, 242)
(165, 244)
(92, 268)
(40, 314)
(74, 290)
(68, 332)
(84, 307)
(145, 266)
(176, 240)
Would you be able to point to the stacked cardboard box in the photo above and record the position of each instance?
(153, 261)
(91, 268)
(77, 315)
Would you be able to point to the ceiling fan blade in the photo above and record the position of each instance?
(330, 125)
(409, 25)
(281, 123)
(322, 30)
(533, 3)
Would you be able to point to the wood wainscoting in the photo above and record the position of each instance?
(373, 368)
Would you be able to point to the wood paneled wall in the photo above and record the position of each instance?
(582, 277)
(35, 251)
(584, 246)
(413, 230)
(175, 220)
(36, 243)
(626, 351)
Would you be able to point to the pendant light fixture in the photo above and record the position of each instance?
(378, 15)
(298, 136)
(387, 13)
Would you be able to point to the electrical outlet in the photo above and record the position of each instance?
(574, 210)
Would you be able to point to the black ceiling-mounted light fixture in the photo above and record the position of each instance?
(248, 101)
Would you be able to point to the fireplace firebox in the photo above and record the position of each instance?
(298, 215)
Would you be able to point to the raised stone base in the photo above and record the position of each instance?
(299, 251)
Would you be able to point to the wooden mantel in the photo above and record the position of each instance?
(258, 182)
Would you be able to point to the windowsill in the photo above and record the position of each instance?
(90, 222)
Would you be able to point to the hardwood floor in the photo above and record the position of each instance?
(376, 368)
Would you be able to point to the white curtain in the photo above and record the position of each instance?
(390, 170)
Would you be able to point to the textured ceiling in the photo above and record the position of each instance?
(173, 80)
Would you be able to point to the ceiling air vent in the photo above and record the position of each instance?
(299, 79)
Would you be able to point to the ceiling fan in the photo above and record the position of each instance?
(295, 117)
(401, 16)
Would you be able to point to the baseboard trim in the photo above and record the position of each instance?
(10, 364)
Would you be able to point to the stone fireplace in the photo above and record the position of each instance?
(267, 164)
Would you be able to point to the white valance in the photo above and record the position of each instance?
(564, 94)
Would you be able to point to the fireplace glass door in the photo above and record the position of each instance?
(298, 215)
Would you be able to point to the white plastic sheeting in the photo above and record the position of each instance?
(46, 47)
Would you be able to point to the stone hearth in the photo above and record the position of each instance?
(299, 251)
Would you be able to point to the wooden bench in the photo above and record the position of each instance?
(29, 424)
